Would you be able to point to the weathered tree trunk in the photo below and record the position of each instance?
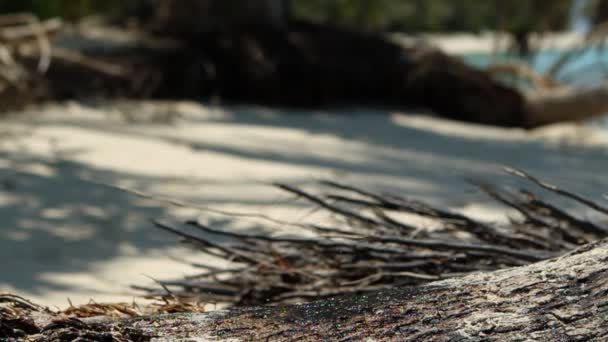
(244, 51)
(560, 299)
(563, 299)
(347, 67)
(312, 65)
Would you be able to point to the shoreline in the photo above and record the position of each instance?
(488, 42)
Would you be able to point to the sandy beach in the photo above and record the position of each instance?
(67, 233)
(491, 42)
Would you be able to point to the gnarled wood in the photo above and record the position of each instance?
(258, 58)
(310, 65)
(562, 299)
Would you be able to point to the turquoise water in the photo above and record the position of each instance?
(585, 69)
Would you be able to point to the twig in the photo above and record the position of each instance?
(226, 250)
(302, 241)
(557, 190)
(332, 208)
(445, 245)
(376, 252)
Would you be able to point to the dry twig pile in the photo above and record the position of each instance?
(378, 250)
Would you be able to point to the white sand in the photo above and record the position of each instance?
(490, 42)
(64, 235)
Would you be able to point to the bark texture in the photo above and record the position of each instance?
(562, 299)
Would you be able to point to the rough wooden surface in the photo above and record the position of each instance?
(562, 299)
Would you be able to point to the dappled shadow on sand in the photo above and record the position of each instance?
(57, 218)
(414, 155)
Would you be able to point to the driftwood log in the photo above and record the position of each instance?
(259, 55)
(313, 66)
(293, 64)
(562, 299)
(262, 55)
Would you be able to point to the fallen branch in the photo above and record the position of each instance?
(373, 248)
(559, 299)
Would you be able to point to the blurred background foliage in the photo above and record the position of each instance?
(69, 9)
(437, 15)
(395, 15)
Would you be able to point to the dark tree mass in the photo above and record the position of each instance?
(262, 56)
(204, 50)
(315, 66)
